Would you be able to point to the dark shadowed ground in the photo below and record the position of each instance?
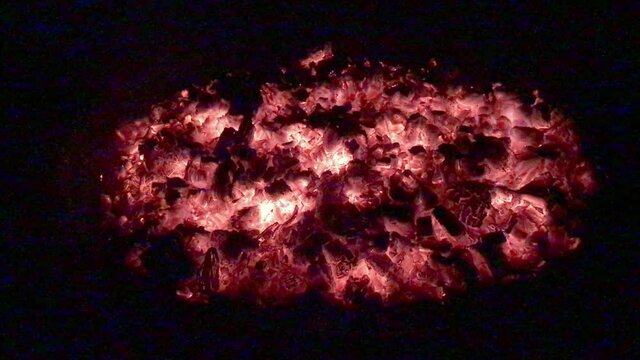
(72, 71)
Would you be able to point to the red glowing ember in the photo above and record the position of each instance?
(363, 184)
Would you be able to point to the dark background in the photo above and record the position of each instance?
(73, 70)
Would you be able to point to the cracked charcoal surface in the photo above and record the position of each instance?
(366, 184)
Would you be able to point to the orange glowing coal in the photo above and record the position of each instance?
(363, 184)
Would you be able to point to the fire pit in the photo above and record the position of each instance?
(363, 183)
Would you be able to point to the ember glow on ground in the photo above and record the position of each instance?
(376, 187)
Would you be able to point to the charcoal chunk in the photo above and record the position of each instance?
(448, 220)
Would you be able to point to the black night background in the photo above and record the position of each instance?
(72, 69)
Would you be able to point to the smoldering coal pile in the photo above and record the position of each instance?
(363, 183)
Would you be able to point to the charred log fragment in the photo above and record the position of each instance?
(448, 220)
(235, 242)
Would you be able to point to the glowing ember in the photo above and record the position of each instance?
(364, 184)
